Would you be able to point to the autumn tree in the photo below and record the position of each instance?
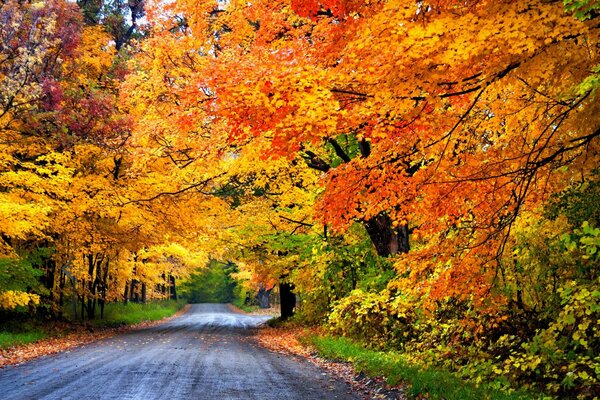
(390, 159)
(68, 174)
(438, 126)
(418, 135)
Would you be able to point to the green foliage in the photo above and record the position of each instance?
(333, 268)
(353, 263)
(22, 276)
(582, 9)
(18, 274)
(565, 356)
(240, 303)
(582, 247)
(212, 284)
(431, 383)
(379, 319)
(577, 203)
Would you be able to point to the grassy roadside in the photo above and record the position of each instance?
(423, 383)
(118, 314)
(18, 333)
(9, 339)
(244, 307)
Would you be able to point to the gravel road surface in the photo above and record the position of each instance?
(205, 353)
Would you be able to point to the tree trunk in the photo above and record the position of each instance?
(126, 293)
(103, 285)
(173, 288)
(61, 290)
(51, 285)
(91, 287)
(387, 239)
(162, 287)
(73, 297)
(262, 297)
(133, 294)
(83, 300)
(288, 300)
(143, 293)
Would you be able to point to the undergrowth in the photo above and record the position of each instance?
(431, 383)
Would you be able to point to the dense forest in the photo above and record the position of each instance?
(420, 175)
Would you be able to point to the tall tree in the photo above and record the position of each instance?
(436, 118)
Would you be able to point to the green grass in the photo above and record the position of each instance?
(8, 339)
(246, 307)
(434, 384)
(116, 314)
(18, 332)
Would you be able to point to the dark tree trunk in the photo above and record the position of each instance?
(83, 301)
(353, 276)
(387, 239)
(162, 287)
(288, 300)
(173, 288)
(73, 297)
(126, 293)
(103, 285)
(61, 289)
(262, 297)
(91, 304)
(143, 293)
(50, 284)
(133, 294)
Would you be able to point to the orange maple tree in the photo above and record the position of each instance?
(392, 156)
(424, 118)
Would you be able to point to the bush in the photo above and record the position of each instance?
(379, 319)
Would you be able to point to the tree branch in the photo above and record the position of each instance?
(338, 150)
(174, 192)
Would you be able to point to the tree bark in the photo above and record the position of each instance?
(263, 297)
(61, 290)
(103, 286)
(133, 294)
(91, 287)
(126, 293)
(173, 290)
(51, 284)
(387, 239)
(288, 300)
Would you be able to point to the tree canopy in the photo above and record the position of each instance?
(422, 172)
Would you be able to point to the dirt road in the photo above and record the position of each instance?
(205, 353)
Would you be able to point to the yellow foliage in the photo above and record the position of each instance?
(94, 56)
(12, 299)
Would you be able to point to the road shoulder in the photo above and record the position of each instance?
(81, 335)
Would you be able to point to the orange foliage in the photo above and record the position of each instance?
(461, 111)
